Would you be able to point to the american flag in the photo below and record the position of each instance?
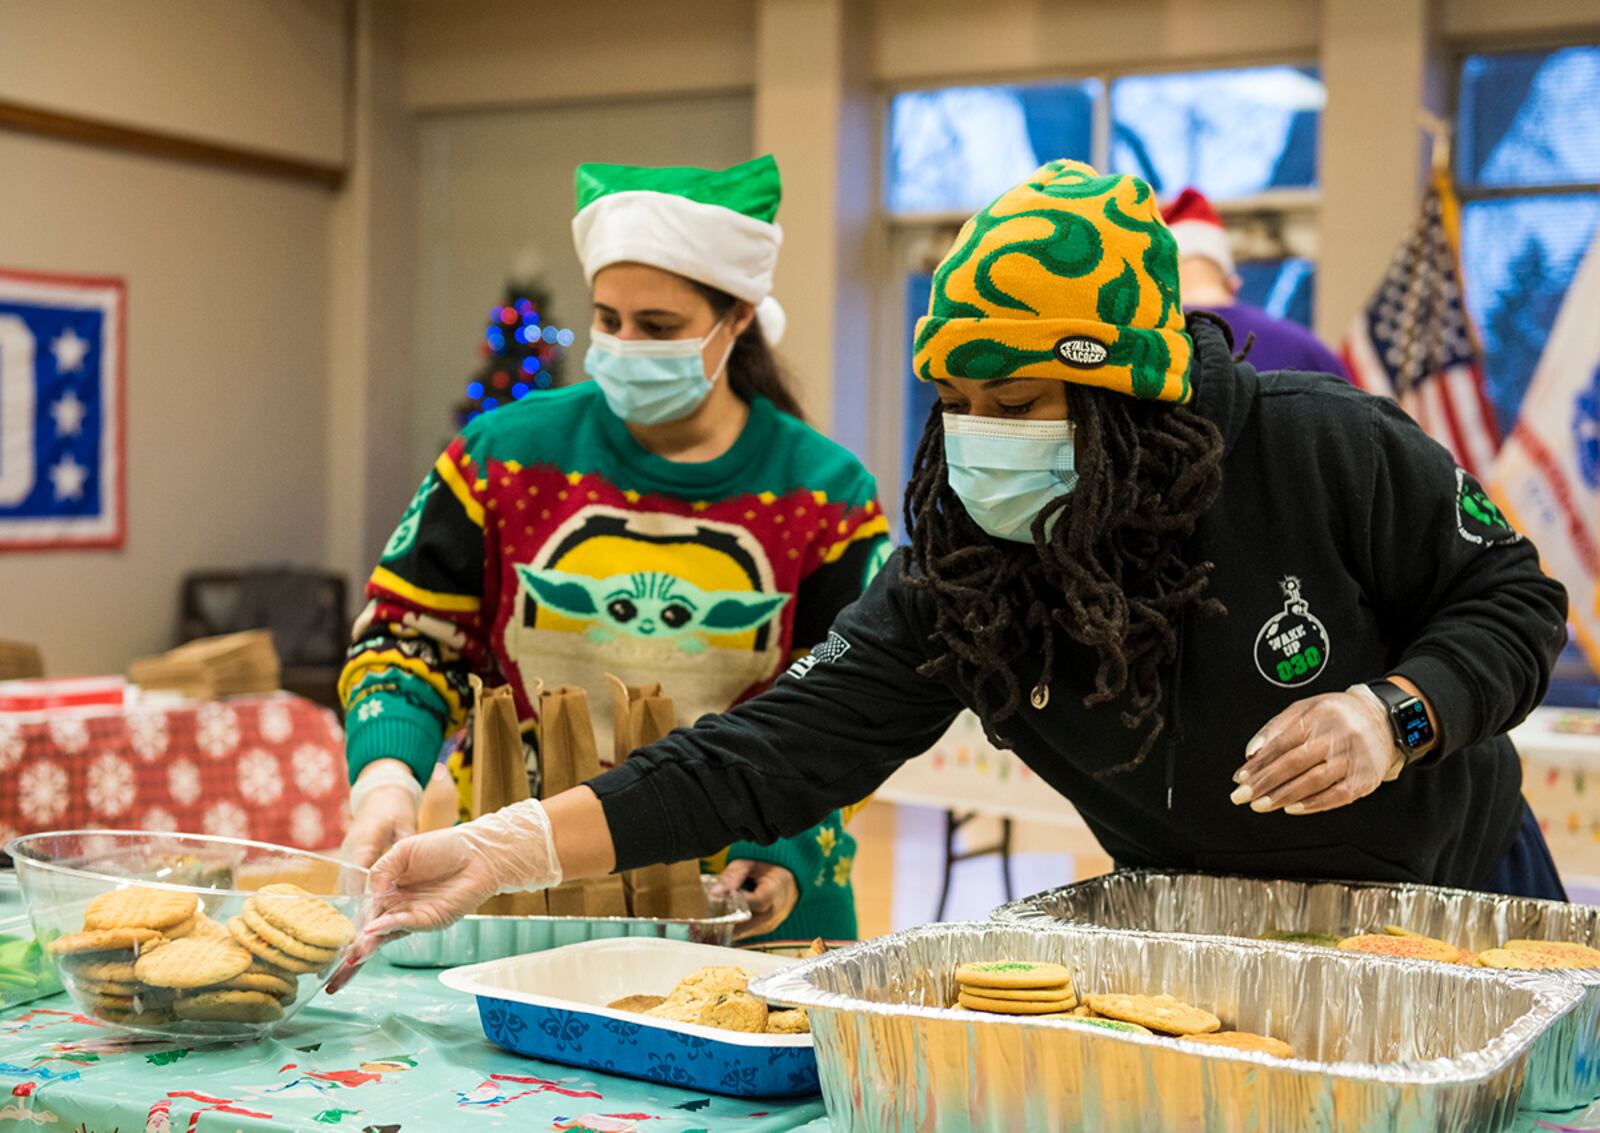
(1414, 342)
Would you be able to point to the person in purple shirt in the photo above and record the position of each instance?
(1207, 282)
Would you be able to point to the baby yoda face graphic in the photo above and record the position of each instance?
(650, 604)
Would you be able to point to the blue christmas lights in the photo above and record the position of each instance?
(474, 390)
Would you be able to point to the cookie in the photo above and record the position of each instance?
(1105, 1024)
(116, 966)
(283, 942)
(1398, 930)
(737, 1011)
(265, 952)
(1318, 939)
(1244, 1040)
(794, 1022)
(181, 930)
(1157, 1012)
(303, 916)
(229, 1006)
(105, 940)
(192, 963)
(133, 1018)
(638, 1004)
(1012, 974)
(973, 1002)
(1507, 960)
(1578, 955)
(113, 1002)
(260, 981)
(208, 929)
(1406, 947)
(106, 987)
(711, 981)
(1025, 994)
(138, 906)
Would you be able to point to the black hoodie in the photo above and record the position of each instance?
(1347, 546)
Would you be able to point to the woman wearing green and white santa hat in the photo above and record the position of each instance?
(673, 520)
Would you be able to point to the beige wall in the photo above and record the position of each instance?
(481, 53)
(226, 364)
(258, 74)
(496, 185)
(927, 41)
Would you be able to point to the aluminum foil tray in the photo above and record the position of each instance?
(1565, 1074)
(473, 940)
(1383, 1047)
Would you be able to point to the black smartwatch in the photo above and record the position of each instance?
(1408, 719)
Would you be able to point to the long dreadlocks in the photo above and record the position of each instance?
(1110, 574)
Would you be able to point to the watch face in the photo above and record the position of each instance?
(1411, 719)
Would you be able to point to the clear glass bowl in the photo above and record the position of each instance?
(291, 941)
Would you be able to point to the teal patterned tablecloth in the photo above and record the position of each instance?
(394, 1051)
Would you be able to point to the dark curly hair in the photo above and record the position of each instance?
(1109, 574)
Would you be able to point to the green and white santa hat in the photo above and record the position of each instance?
(714, 226)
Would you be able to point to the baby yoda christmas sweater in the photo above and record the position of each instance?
(547, 545)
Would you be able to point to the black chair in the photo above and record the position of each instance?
(303, 609)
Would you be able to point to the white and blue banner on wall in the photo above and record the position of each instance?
(61, 411)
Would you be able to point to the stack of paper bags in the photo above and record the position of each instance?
(499, 778)
(210, 667)
(20, 661)
(568, 756)
(641, 716)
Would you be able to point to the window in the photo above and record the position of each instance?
(1280, 287)
(1228, 133)
(1528, 171)
(957, 149)
(1528, 168)
(1246, 137)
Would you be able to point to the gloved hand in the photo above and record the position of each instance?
(432, 880)
(770, 890)
(1319, 754)
(383, 804)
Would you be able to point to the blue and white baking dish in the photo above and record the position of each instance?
(552, 1005)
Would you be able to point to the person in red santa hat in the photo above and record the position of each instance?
(1207, 282)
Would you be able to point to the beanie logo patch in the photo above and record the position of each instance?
(1082, 352)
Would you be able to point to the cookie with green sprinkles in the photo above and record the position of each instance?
(1012, 974)
(1320, 939)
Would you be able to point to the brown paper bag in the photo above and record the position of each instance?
(641, 716)
(567, 752)
(499, 778)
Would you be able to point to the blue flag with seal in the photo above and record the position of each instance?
(61, 411)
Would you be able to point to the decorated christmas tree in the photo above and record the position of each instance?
(522, 352)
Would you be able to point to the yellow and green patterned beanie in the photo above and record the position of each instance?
(1071, 275)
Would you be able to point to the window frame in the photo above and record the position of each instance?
(905, 239)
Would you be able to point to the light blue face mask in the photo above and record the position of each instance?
(650, 381)
(1005, 472)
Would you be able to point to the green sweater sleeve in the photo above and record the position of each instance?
(394, 715)
(821, 860)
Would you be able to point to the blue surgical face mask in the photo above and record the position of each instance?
(650, 381)
(1005, 472)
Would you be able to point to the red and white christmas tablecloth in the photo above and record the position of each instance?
(270, 768)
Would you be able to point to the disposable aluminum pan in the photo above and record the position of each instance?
(1565, 1074)
(473, 940)
(1382, 1047)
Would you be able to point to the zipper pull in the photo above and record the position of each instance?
(1040, 695)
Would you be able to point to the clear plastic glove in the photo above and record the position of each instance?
(432, 880)
(1319, 754)
(384, 810)
(770, 890)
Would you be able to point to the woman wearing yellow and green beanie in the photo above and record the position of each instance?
(1253, 623)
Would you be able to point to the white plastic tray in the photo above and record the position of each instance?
(552, 1005)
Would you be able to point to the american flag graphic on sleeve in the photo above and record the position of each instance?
(61, 411)
(1414, 342)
